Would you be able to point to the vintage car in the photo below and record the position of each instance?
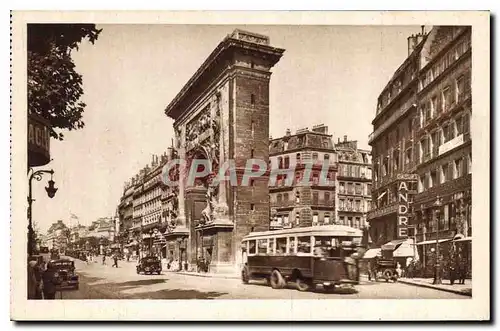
(149, 265)
(64, 271)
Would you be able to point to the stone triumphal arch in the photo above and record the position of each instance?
(222, 113)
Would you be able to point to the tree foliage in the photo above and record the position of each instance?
(54, 86)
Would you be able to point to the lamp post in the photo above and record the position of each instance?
(437, 270)
(51, 192)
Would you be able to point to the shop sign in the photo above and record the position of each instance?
(38, 141)
(403, 210)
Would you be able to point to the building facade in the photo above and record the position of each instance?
(295, 157)
(424, 149)
(354, 180)
(393, 149)
(221, 114)
(444, 145)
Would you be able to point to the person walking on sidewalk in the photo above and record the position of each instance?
(115, 260)
(104, 258)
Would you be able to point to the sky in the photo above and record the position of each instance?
(328, 75)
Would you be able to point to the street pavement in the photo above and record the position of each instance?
(99, 281)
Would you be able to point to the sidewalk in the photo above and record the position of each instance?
(465, 289)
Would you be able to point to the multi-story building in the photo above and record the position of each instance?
(442, 205)
(393, 148)
(422, 147)
(354, 180)
(292, 203)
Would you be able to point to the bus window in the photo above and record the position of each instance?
(270, 246)
(261, 246)
(322, 246)
(251, 249)
(304, 245)
(291, 245)
(280, 246)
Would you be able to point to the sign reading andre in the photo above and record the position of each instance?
(38, 141)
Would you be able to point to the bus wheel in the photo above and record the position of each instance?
(244, 275)
(277, 281)
(303, 285)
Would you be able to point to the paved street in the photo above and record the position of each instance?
(104, 282)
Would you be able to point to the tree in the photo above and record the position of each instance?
(54, 87)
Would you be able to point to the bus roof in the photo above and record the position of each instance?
(322, 230)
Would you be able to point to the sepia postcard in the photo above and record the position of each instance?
(309, 166)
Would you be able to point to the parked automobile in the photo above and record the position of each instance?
(149, 265)
(64, 271)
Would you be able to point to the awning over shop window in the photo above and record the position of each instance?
(393, 245)
(406, 249)
(428, 242)
(371, 253)
(463, 239)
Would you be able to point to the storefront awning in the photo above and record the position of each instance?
(371, 253)
(463, 239)
(428, 242)
(392, 245)
(406, 249)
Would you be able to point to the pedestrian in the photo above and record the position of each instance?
(104, 258)
(462, 269)
(38, 269)
(115, 260)
(50, 281)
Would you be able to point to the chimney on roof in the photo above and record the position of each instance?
(339, 140)
(288, 132)
(345, 139)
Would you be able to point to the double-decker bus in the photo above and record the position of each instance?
(306, 256)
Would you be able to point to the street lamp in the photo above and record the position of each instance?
(437, 271)
(51, 192)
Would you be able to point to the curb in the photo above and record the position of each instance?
(435, 287)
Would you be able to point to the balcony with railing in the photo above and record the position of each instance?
(451, 186)
(282, 204)
(388, 209)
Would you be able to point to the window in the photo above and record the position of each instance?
(261, 246)
(252, 99)
(315, 218)
(349, 221)
(434, 107)
(252, 247)
(285, 220)
(341, 188)
(252, 207)
(326, 157)
(327, 196)
(459, 168)
(298, 158)
(466, 124)
(357, 223)
(447, 101)
(287, 162)
(291, 245)
(358, 189)
(280, 246)
(327, 218)
(304, 245)
(342, 204)
(315, 156)
(349, 204)
(270, 246)
(315, 198)
(285, 197)
(358, 205)
(436, 139)
(341, 220)
(297, 218)
(297, 177)
(252, 127)
(280, 162)
(278, 198)
(444, 174)
(251, 153)
(434, 178)
(368, 189)
(460, 91)
(459, 125)
(252, 65)
(408, 154)
(297, 197)
(350, 188)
